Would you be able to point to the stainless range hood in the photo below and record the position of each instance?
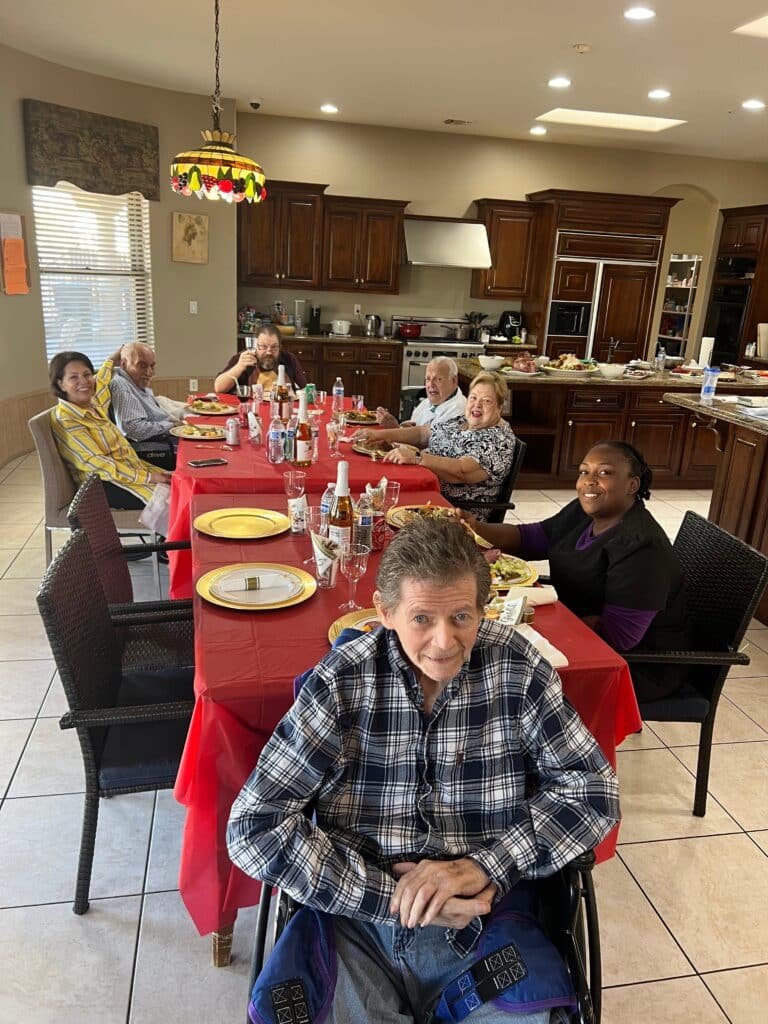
(433, 242)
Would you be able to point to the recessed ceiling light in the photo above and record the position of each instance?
(605, 119)
(538, 129)
(639, 13)
(559, 82)
(329, 108)
(659, 94)
(753, 105)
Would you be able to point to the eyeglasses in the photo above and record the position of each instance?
(264, 349)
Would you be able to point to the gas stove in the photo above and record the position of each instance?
(437, 338)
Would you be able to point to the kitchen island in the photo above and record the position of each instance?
(560, 419)
(740, 490)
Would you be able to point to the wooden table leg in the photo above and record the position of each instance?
(222, 946)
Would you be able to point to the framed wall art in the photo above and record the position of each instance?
(189, 237)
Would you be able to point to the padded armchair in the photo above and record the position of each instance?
(497, 509)
(131, 724)
(724, 580)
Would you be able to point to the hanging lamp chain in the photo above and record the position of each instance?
(216, 98)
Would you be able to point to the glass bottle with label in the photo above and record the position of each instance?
(341, 516)
(283, 396)
(302, 445)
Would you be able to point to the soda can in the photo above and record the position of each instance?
(311, 391)
(379, 532)
(233, 431)
(257, 392)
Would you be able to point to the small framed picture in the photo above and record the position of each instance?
(189, 237)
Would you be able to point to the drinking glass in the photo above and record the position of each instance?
(354, 562)
(321, 398)
(293, 482)
(332, 433)
(315, 524)
(358, 403)
(391, 498)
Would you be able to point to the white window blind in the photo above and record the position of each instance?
(95, 270)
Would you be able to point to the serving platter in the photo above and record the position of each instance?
(193, 432)
(200, 407)
(363, 419)
(242, 523)
(373, 448)
(281, 586)
(555, 371)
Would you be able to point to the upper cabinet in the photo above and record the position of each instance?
(742, 235)
(280, 240)
(511, 228)
(362, 240)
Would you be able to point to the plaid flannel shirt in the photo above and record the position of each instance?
(136, 410)
(503, 771)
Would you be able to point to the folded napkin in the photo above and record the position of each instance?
(534, 595)
(555, 657)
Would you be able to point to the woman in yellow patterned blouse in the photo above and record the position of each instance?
(88, 440)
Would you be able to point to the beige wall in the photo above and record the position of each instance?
(185, 344)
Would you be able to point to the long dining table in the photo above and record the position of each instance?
(245, 664)
(248, 471)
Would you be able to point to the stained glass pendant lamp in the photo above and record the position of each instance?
(217, 170)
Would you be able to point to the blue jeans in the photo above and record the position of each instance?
(395, 975)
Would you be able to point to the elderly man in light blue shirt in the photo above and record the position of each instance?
(137, 412)
(444, 400)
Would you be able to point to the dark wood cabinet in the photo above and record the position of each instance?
(308, 354)
(573, 281)
(609, 247)
(580, 432)
(561, 345)
(738, 481)
(623, 310)
(741, 235)
(366, 369)
(511, 228)
(361, 244)
(607, 213)
(700, 458)
(659, 437)
(280, 240)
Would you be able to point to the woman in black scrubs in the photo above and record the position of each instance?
(610, 561)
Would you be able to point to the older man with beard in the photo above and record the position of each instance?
(259, 366)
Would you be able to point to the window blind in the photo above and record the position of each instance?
(95, 270)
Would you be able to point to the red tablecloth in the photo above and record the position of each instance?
(249, 472)
(245, 666)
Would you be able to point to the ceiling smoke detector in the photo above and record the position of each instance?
(581, 48)
(456, 122)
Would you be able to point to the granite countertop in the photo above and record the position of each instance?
(729, 412)
(351, 339)
(666, 380)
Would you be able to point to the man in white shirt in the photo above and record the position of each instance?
(444, 400)
(136, 409)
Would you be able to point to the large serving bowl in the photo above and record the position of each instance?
(670, 362)
(490, 362)
(612, 371)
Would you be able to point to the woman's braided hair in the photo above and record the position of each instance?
(637, 465)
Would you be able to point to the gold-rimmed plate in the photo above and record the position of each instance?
(401, 515)
(242, 523)
(191, 432)
(281, 586)
(373, 448)
(509, 571)
(363, 419)
(365, 619)
(200, 407)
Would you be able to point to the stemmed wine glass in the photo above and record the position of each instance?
(391, 498)
(314, 524)
(293, 482)
(354, 562)
(332, 431)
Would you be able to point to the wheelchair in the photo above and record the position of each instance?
(567, 912)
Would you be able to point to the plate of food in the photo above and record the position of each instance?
(401, 515)
(365, 620)
(569, 365)
(509, 571)
(373, 449)
(209, 407)
(361, 417)
(196, 432)
(522, 365)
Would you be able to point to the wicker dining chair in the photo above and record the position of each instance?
(131, 724)
(724, 582)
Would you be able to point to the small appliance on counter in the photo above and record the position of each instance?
(372, 325)
(314, 320)
(510, 323)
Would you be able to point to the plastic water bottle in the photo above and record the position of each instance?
(254, 428)
(708, 384)
(337, 404)
(661, 358)
(276, 441)
(290, 436)
(325, 504)
(364, 524)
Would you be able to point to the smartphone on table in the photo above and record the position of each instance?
(199, 463)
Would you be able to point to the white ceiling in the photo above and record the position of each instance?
(413, 63)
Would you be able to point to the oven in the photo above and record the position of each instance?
(435, 340)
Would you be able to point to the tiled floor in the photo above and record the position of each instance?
(684, 905)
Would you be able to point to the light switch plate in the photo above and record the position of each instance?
(193, 306)
(358, 309)
(193, 384)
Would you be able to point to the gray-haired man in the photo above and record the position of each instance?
(444, 400)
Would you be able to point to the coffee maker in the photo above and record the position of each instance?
(510, 323)
(314, 320)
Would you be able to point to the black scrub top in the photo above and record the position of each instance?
(632, 565)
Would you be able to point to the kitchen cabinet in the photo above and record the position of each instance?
(607, 213)
(677, 307)
(362, 240)
(623, 310)
(280, 240)
(580, 432)
(511, 228)
(573, 281)
(659, 437)
(561, 345)
(308, 354)
(366, 368)
(700, 457)
(741, 235)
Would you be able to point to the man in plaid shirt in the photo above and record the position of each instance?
(444, 769)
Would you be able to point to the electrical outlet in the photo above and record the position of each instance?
(358, 309)
(193, 306)
(192, 384)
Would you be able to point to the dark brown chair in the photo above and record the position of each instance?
(131, 724)
(724, 582)
(497, 509)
